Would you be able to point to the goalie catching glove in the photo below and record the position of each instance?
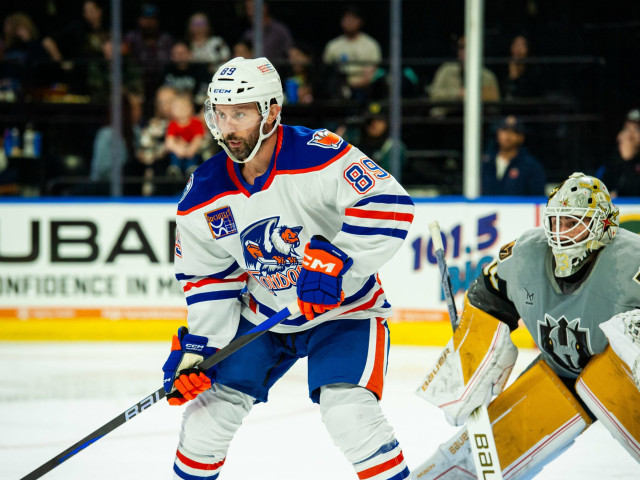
(319, 285)
(183, 381)
(623, 332)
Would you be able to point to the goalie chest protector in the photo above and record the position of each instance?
(565, 326)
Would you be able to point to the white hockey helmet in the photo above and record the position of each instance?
(243, 80)
(585, 221)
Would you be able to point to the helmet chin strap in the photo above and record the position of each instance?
(262, 137)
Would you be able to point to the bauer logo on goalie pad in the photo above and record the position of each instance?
(221, 222)
(325, 139)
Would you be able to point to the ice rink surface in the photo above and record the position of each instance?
(54, 394)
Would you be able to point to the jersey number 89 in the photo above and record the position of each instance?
(362, 175)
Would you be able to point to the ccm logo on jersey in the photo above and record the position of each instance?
(325, 139)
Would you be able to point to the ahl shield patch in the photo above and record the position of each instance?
(221, 222)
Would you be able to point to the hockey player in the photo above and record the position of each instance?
(575, 283)
(283, 213)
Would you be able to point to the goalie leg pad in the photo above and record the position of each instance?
(355, 422)
(474, 366)
(208, 425)
(528, 434)
(607, 388)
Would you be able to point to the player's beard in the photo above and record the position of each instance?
(246, 146)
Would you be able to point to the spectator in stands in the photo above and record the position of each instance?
(623, 172)
(243, 48)
(152, 151)
(448, 81)
(508, 168)
(99, 74)
(276, 37)
(184, 138)
(205, 47)
(299, 85)
(373, 138)
(24, 54)
(103, 154)
(81, 38)
(149, 46)
(184, 75)
(355, 56)
(522, 78)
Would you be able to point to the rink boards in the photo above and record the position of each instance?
(92, 269)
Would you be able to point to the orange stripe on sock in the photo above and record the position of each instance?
(201, 466)
(383, 467)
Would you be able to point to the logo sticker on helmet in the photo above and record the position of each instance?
(266, 68)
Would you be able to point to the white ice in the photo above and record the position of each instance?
(54, 394)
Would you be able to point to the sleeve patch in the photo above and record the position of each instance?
(637, 277)
(506, 251)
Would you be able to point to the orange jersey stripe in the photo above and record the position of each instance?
(369, 304)
(203, 204)
(356, 212)
(319, 167)
(208, 281)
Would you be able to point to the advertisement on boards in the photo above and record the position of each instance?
(114, 260)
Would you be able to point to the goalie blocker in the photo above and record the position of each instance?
(529, 435)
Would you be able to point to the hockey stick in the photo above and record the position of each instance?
(483, 445)
(159, 394)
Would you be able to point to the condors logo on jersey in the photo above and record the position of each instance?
(325, 139)
(269, 253)
(567, 343)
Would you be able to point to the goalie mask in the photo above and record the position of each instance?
(579, 219)
(242, 82)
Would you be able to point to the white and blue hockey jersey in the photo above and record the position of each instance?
(231, 235)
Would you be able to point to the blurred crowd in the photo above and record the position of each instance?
(164, 79)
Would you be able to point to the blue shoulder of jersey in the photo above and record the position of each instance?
(210, 180)
(306, 149)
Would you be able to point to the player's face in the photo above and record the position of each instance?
(572, 229)
(240, 127)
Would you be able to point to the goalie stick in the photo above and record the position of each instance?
(159, 394)
(483, 445)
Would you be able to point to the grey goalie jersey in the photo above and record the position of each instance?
(563, 319)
